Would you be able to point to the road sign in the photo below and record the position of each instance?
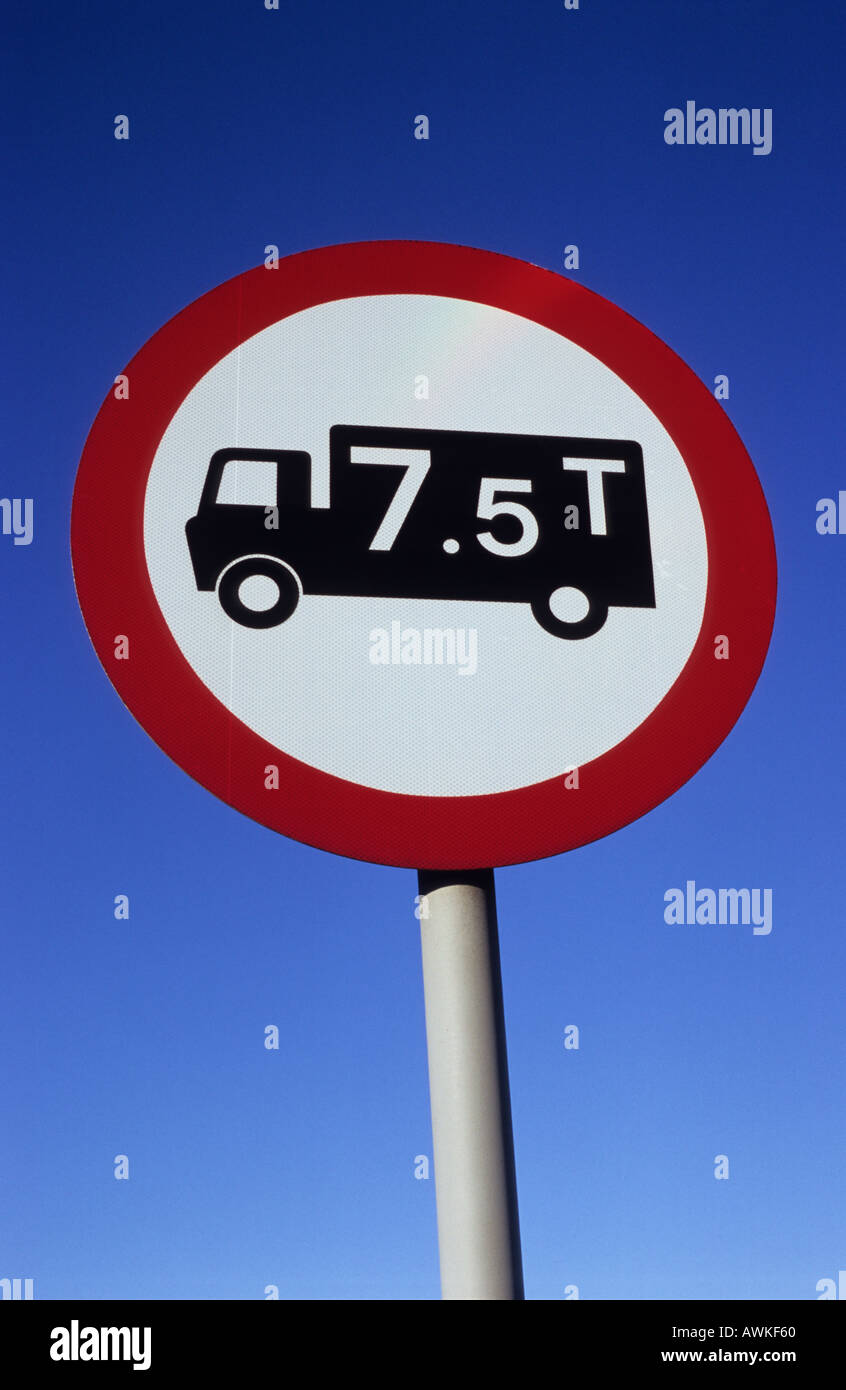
(423, 555)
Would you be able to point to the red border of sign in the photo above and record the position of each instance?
(225, 756)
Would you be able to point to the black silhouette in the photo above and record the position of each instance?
(504, 518)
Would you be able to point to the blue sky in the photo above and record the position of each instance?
(145, 1037)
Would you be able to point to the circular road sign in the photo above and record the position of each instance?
(423, 555)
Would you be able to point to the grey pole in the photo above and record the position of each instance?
(475, 1184)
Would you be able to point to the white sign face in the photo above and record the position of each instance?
(449, 696)
(423, 555)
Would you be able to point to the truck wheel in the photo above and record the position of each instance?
(570, 613)
(232, 580)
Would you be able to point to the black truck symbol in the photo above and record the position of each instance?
(556, 522)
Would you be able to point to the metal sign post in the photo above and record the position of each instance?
(475, 1184)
